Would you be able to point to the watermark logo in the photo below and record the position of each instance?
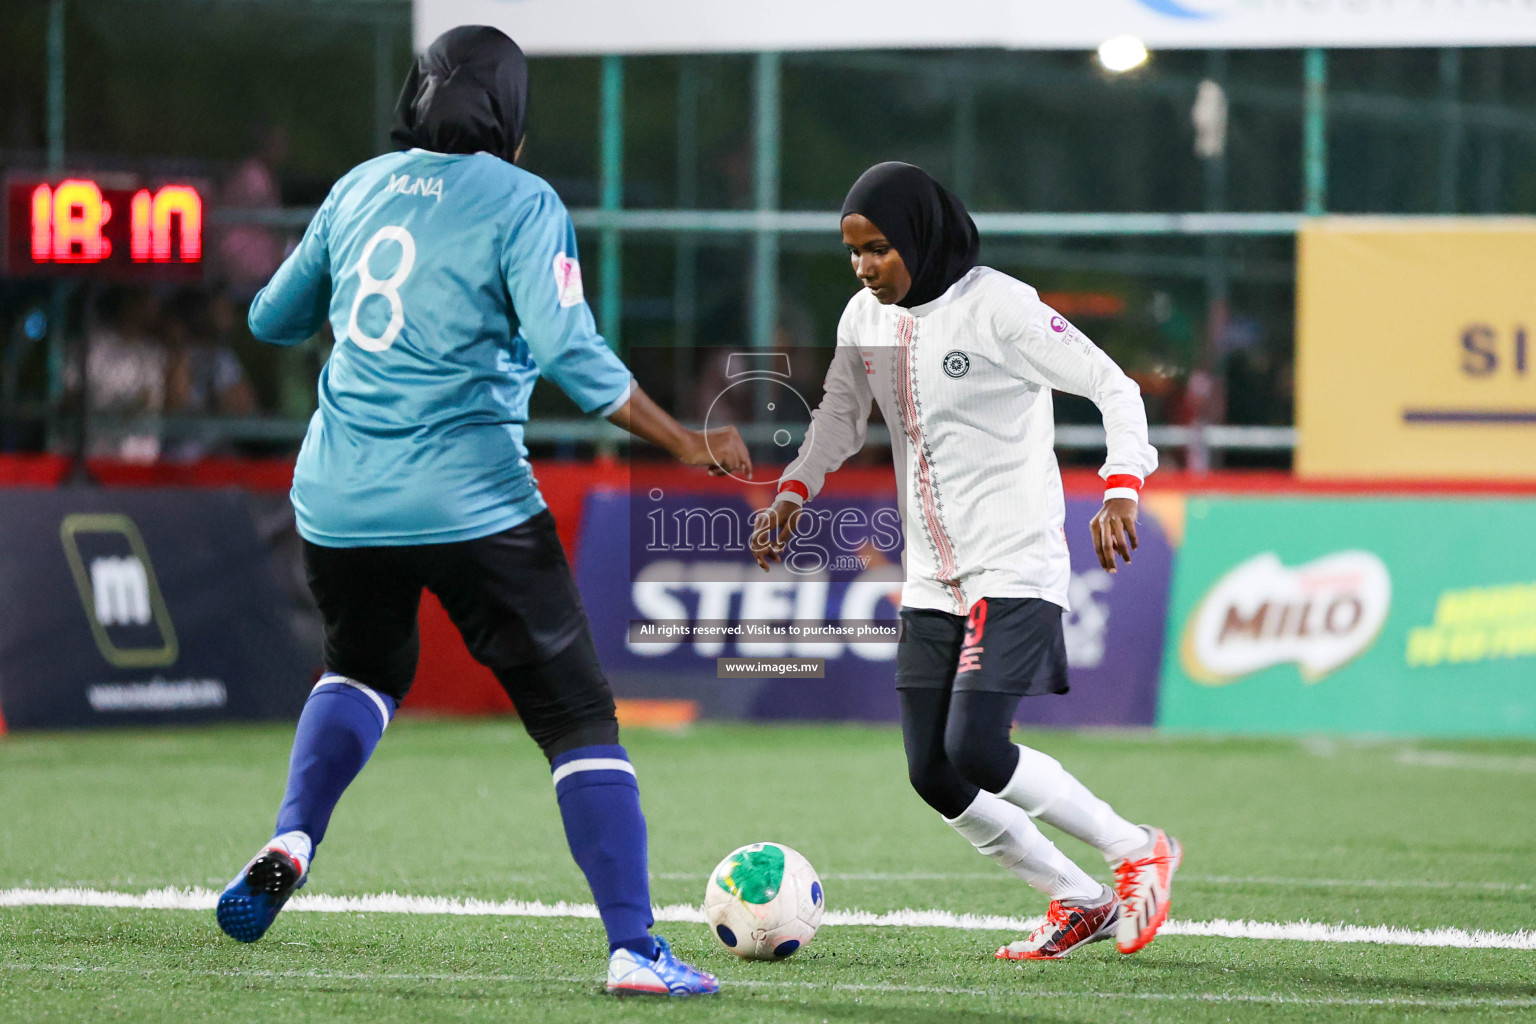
(1320, 616)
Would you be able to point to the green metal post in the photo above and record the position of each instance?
(1218, 284)
(963, 139)
(58, 307)
(1315, 133)
(685, 269)
(765, 255)
(384, 87)
(1451, 129)
(611, 183)
(55, 86)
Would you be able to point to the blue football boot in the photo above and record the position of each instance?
(629, 973)
(250, 903)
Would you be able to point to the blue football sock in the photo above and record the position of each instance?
(341, 724)
(600, 805)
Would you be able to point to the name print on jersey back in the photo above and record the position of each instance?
(406, 185)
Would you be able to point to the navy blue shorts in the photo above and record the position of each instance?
(1005, 645)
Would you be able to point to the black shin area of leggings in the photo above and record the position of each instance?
(977, 737)
(565, 702)
(923, 715)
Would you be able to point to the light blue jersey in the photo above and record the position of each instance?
(451, 282)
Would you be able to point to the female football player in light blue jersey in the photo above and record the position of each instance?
(450, 279)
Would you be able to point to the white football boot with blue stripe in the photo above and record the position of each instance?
(250, 903)
(629, 973)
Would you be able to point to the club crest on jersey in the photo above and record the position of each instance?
(957, 364)
(1059, 324)
(568, 280)
(405, 185)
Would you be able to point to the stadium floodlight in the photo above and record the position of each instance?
(1122, 54)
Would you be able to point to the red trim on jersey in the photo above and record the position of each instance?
(905, 330)
(797, 487)
(1123, 480)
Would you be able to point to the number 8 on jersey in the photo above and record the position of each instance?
(388, 288)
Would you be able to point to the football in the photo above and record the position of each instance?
(764, 902)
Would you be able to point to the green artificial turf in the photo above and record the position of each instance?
(1419, 836)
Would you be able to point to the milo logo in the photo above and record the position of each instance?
(1320, 616)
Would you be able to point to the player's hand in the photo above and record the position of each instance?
(1114, 531)
(721, 449)
(771, 532)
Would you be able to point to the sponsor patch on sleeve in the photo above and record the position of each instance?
(1063, 330)
(568, 280)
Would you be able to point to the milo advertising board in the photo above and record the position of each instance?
(1396, 616)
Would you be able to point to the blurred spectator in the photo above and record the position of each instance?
(204, 376)
(251, 252)
(126, 369)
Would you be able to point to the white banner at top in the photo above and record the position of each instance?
(714, 26)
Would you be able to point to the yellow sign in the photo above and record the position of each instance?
(1416, 348)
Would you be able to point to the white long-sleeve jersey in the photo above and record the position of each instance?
(965, 382)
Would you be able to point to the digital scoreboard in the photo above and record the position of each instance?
(108, 229)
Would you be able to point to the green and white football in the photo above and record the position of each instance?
(764, 902)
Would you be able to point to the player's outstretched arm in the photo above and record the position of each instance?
(839, 426)
(293, 305)
(721, 449)
(1049, 350)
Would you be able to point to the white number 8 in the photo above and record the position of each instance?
(389, 288)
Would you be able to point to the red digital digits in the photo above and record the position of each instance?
(69, 224)
(152, 224)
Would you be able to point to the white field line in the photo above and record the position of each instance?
(392, 903)
(1453, 1003)
(1299, 883)
(1476, 762)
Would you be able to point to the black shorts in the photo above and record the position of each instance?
(1006, 645)
(511, 595)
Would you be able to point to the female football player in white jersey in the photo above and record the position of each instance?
(962, 360)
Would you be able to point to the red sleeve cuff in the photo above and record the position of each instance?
(1123, 480)
(795, 487)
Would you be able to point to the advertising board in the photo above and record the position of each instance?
(1416, 349)
(140, 607)
(689, 26)
(1401, 617)
(671, 590)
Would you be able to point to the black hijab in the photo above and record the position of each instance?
(928, 226)
(468, 92)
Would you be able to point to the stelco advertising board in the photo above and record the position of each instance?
(1402, 617)
(672, 592)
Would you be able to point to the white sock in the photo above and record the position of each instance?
(1046, 790)
(297, 845)
(1004, 832)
